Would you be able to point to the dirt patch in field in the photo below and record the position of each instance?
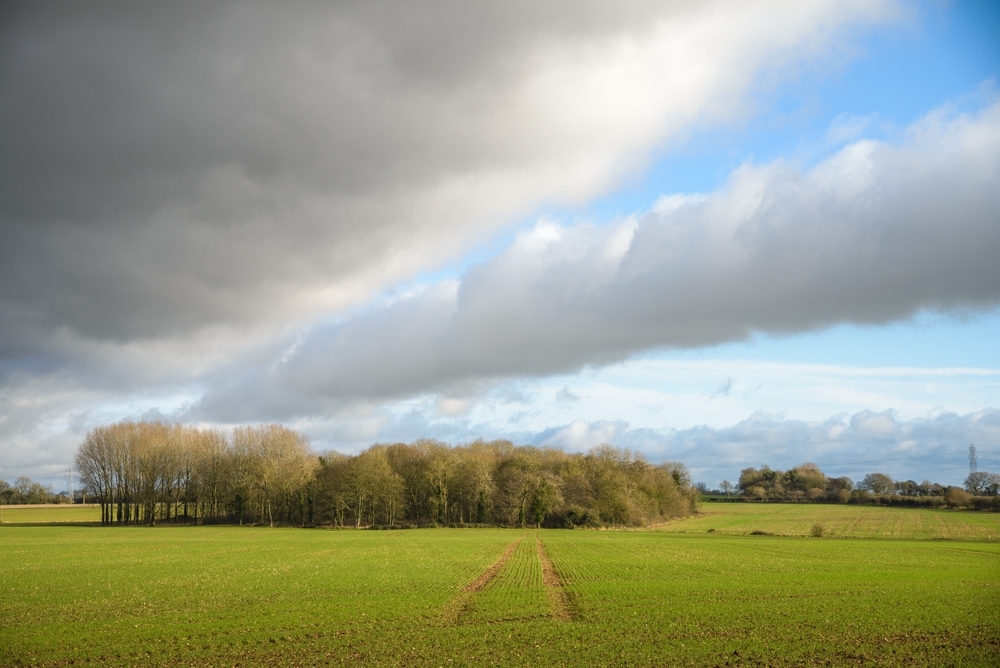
(562, 605)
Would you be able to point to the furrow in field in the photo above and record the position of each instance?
(463, 602)
(558, 596)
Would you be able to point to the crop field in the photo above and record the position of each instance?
(845, 521)
(43, 513)
(256, 596)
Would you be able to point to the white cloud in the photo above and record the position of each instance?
(848, 127)
(874, 234)
(581, 435)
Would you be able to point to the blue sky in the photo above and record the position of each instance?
(940, 54)
(413, 233)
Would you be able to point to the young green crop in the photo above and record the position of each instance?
(113, 594)
(709, 599)
(50, 513)
(517, 593)
(257, 596)
(844, 521)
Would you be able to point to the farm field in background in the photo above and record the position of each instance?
(259, 596)
(42, 513)
(844, 521)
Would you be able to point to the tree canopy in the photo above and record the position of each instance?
(148, 472)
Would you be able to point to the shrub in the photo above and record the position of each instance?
(577, 516)
(986, 502)
(818, 530)
(956, 497)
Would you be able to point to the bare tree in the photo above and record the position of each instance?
(982, 483)
(878, 483)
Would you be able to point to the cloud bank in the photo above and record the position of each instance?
(866, 442)
(873, 234)
(187, 167)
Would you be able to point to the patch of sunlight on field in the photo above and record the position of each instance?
(843, 521)
(40, 514)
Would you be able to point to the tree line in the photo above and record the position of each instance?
(496, 482)
(27, 491)
(808, 483)
(149, 472)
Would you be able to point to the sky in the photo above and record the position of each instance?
(721, 233)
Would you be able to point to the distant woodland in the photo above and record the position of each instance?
(146, 472)
(808, 483)
(26, 491)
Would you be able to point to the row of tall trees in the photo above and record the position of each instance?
(149, 472)
(498, 483)
(144, 472)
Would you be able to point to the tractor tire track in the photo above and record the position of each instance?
(560, 599)
(463, 602)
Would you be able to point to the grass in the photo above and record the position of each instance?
(844, 521)
(258, 596)
(45, 513)
(784, 601)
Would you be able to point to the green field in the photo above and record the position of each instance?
(258, 596)
(845, 521)
(56, 513)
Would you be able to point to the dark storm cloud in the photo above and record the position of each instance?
(873, 234)
(171, 166)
